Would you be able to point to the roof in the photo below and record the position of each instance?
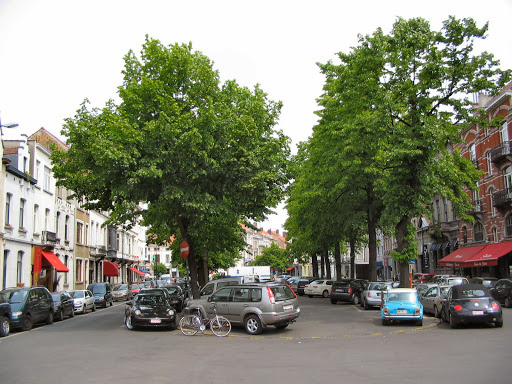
(410, 290)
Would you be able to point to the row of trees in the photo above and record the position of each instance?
(385, 143)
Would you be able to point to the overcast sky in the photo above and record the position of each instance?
(56, 53)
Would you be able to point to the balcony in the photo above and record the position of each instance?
(477, 209)
(501, 156)
(49, 238)
(503, 199)
(101, 250)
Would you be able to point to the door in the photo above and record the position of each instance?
(221, 299)
(239, 304)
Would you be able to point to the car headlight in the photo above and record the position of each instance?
(101, 298)
(137, 312)
(386, 310)
(170, 312)
(16, 314)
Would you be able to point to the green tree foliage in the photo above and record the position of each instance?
(273, 256)
(159, 269)
(200, 155)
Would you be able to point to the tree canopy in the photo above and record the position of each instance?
(200, 155)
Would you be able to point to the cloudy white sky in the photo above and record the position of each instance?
(56, 53)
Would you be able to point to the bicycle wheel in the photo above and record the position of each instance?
(220, 326)
(189, 325)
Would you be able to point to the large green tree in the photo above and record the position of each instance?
(277, 258)
(200, 155)
(414, 85)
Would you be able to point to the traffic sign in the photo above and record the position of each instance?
(184, 249)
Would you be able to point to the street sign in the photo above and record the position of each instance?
(184, 249)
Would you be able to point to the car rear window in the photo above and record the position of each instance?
(282, 293)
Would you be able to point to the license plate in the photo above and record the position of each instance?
(478, 312)
(287, 307)
(401, 311)
(155, 321)
(340, 290)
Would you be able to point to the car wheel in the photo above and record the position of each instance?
(419, 323)
(333, 301)
(325, 293)
(128, 323)
(508, 302)
(5, 327)
(49, 319)
(436, 312)
(453, 323)
(310, 295)
(355, 299)
(111, 303)
(27, 323)
(281, 326)
(60, 315)
(385, 322)
(498, 324)
(253, 325)
(366, 307)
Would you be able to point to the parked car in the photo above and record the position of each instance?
(422, 278)
(255, 306)
(134, 288)
(401, 304)
(304, 280)
(214, 285)
(502, 292)
(347, 290)
(471, 303)
(63, 305)
(150, 309)
(184, 284)
(453, 280)
(437, 278)
(423, 288)
(102, 294)
(5, 317)
(29, 306)
(375, 292)
(487, 281)
(177, 298)
(433, 299)
(122, 292)
(83, 300)
(320, 287)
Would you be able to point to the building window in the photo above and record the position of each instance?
(38, 166)
(4, 272)
(86, 234)
(66, 259)
(465, 235)
(491, 201)
(19, 268)
(490, 170)
(495, 235)
(46, 219)
(36, 218)
(47, 178)
(66, 228)
(78, 275)
(508, 225)
(22, 213)
(79, 233)
(445, 202)
(57, 224)
(478, 232)
(8, 209)
(438, 211)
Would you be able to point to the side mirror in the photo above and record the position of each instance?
(209, 299)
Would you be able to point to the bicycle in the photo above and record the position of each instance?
(192, 323)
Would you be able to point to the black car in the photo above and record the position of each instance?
(63, 305)
(29, 305)
(150, 310)
(502, 292)
(347, 290)
(487, 281)
(5, 317)
(305, 280)
(176, 296)
(471, 303)
(102, 294)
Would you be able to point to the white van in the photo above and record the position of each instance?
(251, 279)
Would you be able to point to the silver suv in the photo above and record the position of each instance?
(254, 306)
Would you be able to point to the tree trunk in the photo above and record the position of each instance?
(372, 236)
(352, 258)
(191, 259)
(327, 263)
(337, 259)
(401, 232)
(314, 264)
(322, 266)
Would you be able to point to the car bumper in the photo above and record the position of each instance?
(154, 321)
(279, 318)
(467, 318)
(16, 322)
(402, 317)
(375, 302)
(341, 296)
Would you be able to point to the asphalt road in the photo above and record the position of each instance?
(329, 342)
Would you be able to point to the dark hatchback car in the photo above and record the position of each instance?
(502, 292)
(5, 317)
(487, 281)
(102, 294)
(176, 296)
(347, 290)
(305, 280)
(29, 305)
(63, 305)
(150, 310)
(471, 303)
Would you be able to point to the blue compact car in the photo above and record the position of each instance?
(402, 304)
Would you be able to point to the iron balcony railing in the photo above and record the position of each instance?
(502, 197)
(504, 149)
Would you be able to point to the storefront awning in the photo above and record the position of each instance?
(136, 271)
(110, 269)
(489, 255)
(460, 256)
(53, 259)
(290, 268)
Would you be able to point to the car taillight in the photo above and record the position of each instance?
(350, 291)
(458, 308)
(417, 311)
(495, 306)
(271, 296)
(386, 310)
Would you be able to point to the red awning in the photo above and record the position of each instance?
(54, 260)
(110, 268)
(458, 257)
(290, 268)
(489, 255)
(136, 271)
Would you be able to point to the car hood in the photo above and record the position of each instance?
(196, 303)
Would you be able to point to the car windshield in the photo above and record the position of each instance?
(134, 286)
(378, 287)
(77, 294)
(121, 287)
(14, 297)
(149, 299)
(56, 296)
(402, 297)
(173, 290)
(98, 289)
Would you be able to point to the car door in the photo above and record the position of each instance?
(428, 299)
(34, 305)
(221, 299)
(89, 299)
(498, 291)
(45, 302)
(240, 301)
